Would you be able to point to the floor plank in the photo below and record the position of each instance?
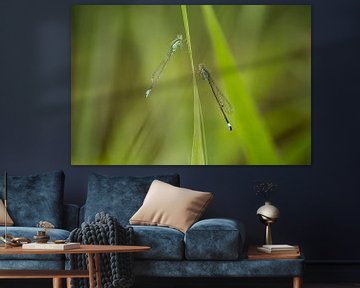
(46, 283)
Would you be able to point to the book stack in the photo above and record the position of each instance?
(279, 249)
(51, 246)
(282, 251)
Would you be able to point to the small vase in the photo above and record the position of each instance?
(41, 237)
(268, 214)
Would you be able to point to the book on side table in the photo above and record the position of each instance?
(274, 252)
(272, 249)
(51, 246)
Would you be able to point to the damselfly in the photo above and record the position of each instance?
(223, 103)
(157, 73)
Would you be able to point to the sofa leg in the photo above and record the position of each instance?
(297, 282)
(57, 283)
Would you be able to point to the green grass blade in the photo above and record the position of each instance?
(198, 153)
(247, 122)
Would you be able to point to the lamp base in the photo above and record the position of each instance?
(268, 237)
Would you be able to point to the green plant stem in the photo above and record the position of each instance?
(198, 153)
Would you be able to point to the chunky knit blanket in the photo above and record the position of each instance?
(116, 268)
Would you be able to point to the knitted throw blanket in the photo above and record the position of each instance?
(116, 268)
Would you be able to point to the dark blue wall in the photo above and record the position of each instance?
(318, 203)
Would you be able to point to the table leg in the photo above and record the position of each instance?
(57, 283)
(68, 282)
(297, 282)
(91, 270)
(98, 270)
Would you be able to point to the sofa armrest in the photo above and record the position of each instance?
(215, 239)
(71, 216)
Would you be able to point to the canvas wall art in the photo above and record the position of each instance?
(191, 85)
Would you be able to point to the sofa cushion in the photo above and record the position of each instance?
(29, 232)
(121, 197)
(170, 206)
(35, 198)
(214, 239)
(165, 243)
(9, 221)
(39, 264)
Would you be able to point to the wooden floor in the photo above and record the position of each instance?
(338, 285)
(45, 283)
(258, 285)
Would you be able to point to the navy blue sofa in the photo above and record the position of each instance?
(210, 248)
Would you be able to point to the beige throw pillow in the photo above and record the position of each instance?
(170, 206)
(9, 221)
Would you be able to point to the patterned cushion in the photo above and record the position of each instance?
(119, 196)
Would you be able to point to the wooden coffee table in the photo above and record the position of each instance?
(92, 251)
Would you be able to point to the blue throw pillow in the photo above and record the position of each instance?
(35, 198)
(119, 196)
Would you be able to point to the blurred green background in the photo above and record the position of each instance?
(258, 55)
